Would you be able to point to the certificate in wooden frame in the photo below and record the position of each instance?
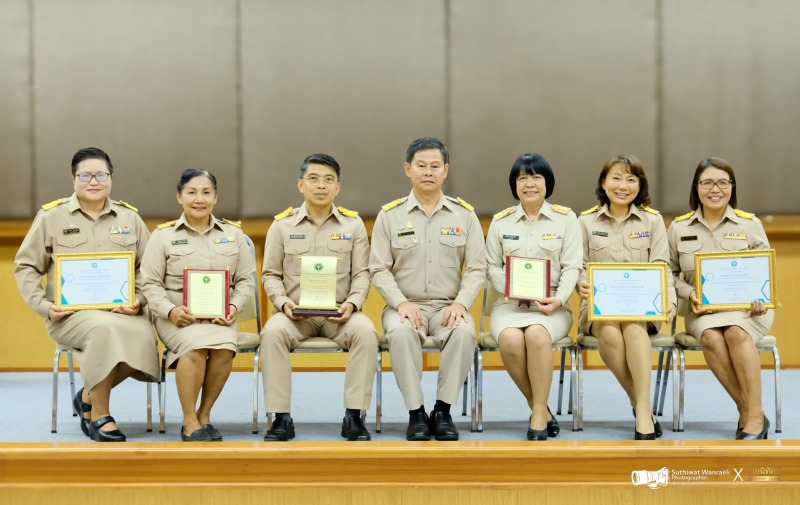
(207, 293)
(624, 276)
(99, 281)
(745, 285)
(514, 264)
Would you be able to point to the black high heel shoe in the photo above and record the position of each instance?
(553, 429)
(81, 408)
(762, 435)
(643, 436)
(656, 425)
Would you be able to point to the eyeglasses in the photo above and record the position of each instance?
(313, 180)
(723, 184)
(99, 177)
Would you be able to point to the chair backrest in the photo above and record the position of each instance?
(252, 309)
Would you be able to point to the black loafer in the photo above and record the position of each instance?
(643, 436)
(198, 435)
(214, 433)
(281, 431)
(418, 427)
(762, 435)
(553, 429)
(98, 435)
(353, 429)
(441, 426)
(81, 408)
(656, 425)
(537, 434)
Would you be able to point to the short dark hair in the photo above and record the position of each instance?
(635, 168)
(425, 143)
(320, 159)
(90, 153)
(531, 163)
(191, 173)
(694, 196)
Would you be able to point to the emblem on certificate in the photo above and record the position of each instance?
(207, 292)
(732, 280)
(627, 291)
(527, 279)
(317, 287)
(94, 280)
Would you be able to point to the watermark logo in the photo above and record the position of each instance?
(653, 480)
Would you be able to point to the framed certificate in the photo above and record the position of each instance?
(94, 280)
(207, 293)
(732, 280)
(627, 291)
(527, 278)
(317, 287)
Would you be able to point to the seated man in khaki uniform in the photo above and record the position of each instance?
(420, 246)
(318, 228)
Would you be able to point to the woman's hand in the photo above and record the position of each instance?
(228, 321)
(129, 311)
(56, 313)
(756, 309)
(548, 305)
(695, 305)
(181, 316)
(672, 311)
(583, 289)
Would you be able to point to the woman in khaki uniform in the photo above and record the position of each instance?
(197, 240)
(728, 338)
(110, 345)
(526, 331)
(622, 229)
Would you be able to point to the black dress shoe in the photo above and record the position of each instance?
(553, 429)
(81, 408)
(98, 435)
(656, 425)
(739, 430)
(281, 431)
(537, 434)
(353, 429)
(214, 433)
(762, 435)
(643, 436)
(441, 426)
(198, 435)
(418, 427)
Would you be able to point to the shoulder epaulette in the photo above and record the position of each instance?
(465, 204)
(395, 203)
(503, 213)
(283, 214)
(237, 224)
(685, 216)
(127, 205)
(560, 209)
(648, 209)
(741, 213)
(590, 211)
(166, 225)
(54, 203)
(347, 212)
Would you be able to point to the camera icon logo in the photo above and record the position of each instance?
(653, 480)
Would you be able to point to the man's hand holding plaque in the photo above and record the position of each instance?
(527, 279)
(317, 287)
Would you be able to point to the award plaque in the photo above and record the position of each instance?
(207, 293)
(317, 287)
(94, 280)
(732, 280)
(527, 279)
(627, 291)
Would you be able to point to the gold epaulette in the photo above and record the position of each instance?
(685, 216)
(741, 213)
(283, 214)
(124, 204)
(347, 212)
(395, 203)
(560, 209)
(648, 209)
(237, 224)
(54, 203)
(503, 213)
(590, 211)
(465, 204)
(166, 225)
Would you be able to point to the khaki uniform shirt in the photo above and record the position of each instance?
(61, 227)
(639, 238)
(420, 258)
(293, 234)
(175, 246)
(554, 235)
(690, 234)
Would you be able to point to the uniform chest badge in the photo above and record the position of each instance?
(449, 230)
(409, 225)
(342, 236)
(600, 233)
(71, 229)
(224, 240)
(293, 237)
(640, 234)
(552, 236)
(735, 236)
(180, 242)
(119, 230)
(510, 237)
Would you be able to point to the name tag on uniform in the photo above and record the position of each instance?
(116, 230)
(688, 238)
(510, 237)
(552, 236)
(404, 233)
(291, 237)
(180, 242)
(224, 240)
(71, 231)
(449, 230)
(341, 236)
(735, 236)
(640, 234)
(600, 233)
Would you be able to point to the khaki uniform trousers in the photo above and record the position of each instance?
(281, 335)
(405, 350)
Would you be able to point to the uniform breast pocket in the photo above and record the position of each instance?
(407, 252)
(123, 241)
(70, 242)
(551, 248)
(293, 249)
(451, 250)
(180, 257)
(342, 249)
(225, 256)
(511, 248)
(686, 252)
(599, 248)
(640, 249)
(734, 245)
